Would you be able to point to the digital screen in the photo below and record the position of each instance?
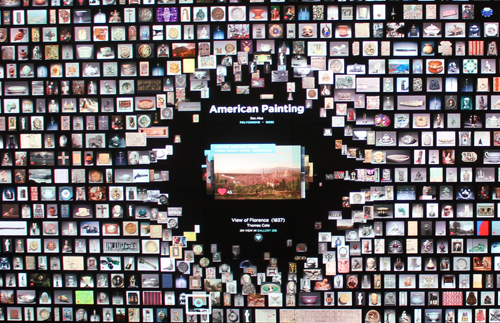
(249, 161)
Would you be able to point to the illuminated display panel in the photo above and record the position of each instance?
(249, 161)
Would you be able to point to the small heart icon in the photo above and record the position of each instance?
(221, 191)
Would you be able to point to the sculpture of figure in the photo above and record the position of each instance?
(323, 285)
(404, 318)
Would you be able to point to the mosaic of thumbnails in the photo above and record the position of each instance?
(405, 94)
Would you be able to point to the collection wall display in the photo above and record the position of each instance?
(249, 161)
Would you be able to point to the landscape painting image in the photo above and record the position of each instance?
(268, 176)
